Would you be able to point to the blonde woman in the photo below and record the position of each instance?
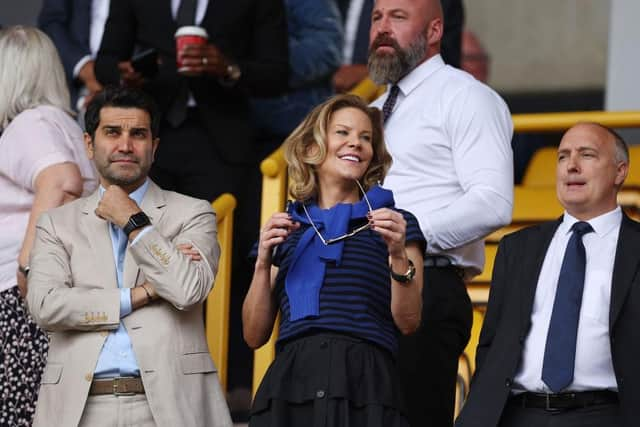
(42, 165)
(340, 267)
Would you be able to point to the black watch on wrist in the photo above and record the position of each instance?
(136, 221)
(406, 277)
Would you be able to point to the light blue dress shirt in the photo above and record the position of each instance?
(117, 358)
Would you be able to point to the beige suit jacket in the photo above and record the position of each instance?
(73, 293)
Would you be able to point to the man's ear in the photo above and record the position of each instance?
(434, 31)
(621, 173)
(88, 145)
(154, 144)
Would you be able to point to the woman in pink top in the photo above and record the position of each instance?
(42, 165)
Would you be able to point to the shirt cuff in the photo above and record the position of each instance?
(125, 302)
(80, 64)
(141, 233)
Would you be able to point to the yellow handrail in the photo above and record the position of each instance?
(367, 90)
(547, 122)
(217, 315)
(274, 196)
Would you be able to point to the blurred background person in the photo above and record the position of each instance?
(315, 39)
(474, 58)
(340, 268)
(76, 27)
(42, 165)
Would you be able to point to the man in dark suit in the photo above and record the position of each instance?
(77, 36)
(559, 342)
(205, 129)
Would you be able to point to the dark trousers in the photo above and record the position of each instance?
(428, 359)
(592, 416)
(187, 162)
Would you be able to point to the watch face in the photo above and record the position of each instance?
(139, 219)
(136, 221)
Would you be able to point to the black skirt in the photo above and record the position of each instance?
(330, 380)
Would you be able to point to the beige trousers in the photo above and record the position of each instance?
(109, 410)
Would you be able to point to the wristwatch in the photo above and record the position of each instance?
(135, 222)
(406, 277)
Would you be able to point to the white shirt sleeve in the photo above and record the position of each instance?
(480, 129)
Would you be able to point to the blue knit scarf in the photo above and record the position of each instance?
(306, 273)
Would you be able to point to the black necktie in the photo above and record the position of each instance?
(387, 108)
(560, 349)
(177, 112)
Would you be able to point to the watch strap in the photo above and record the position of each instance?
(136, 221)
(406, 277)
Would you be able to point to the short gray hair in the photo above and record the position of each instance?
(31, 73)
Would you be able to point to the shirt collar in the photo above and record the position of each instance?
(136, 195)
(420, 73)
(602, 224)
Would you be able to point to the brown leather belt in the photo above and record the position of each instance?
(117, 386)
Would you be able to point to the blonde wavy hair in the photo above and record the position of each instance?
(302, 158)
(31, 73)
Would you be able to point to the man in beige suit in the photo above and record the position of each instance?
(119, 279)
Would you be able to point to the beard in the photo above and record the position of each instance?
(391, 67)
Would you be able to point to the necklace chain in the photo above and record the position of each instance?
(327, 242)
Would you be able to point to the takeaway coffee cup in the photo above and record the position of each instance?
(188, 35)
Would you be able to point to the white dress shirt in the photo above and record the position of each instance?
(450, 139)
(99, 15)
(351, 30)
(593, 365)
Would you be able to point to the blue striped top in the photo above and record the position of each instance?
(355, 297)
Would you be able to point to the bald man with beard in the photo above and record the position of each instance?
(449, 136)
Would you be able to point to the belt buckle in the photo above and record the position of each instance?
(116, 383)
(547, 404)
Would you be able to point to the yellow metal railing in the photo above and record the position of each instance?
(368, 90)
(217, 315)
(548, 122)
(274, 196)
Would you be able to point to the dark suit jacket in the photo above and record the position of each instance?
(67, 23)
(515, 275)
(250, 32)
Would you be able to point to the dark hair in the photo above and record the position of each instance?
(121, 97)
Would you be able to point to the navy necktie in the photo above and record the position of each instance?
(560, 350)
(390, 102)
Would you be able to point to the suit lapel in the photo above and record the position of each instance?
(538, 244)
(625, 266)
(97, 232)
(152, 204)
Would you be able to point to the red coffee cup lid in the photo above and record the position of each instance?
(192, 30)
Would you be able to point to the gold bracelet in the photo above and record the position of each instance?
(149, 299)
